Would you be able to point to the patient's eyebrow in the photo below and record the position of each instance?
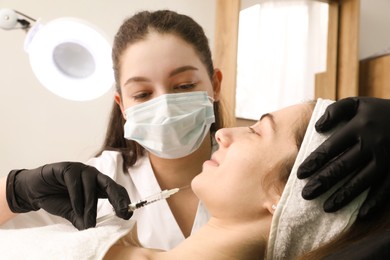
(271, 118)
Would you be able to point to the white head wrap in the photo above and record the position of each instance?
(299, 225)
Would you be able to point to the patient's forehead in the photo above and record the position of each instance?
(288, 117)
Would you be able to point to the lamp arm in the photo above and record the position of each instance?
(26, 16)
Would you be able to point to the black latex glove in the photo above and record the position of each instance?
(360, 149)
(67, 189)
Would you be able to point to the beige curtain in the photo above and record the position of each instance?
(281, 45)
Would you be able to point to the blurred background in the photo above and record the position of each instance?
(38, 127)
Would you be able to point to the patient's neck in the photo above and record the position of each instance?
(222, 240)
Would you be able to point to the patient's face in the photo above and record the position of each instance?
(232, 181)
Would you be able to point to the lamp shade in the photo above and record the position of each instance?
(71, 58)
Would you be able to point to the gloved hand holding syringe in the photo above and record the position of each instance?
(143, 202)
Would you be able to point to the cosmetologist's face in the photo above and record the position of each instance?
(161, 64)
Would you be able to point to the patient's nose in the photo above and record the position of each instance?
(224, 137)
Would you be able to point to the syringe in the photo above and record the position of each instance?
(151, 199)
(142, 203)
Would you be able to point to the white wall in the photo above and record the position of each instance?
(38, 127)
(374, 27)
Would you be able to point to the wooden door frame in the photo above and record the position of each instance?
(338, 81)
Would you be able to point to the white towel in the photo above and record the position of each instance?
(300, 225)
(62, 241)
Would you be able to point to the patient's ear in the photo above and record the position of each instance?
(271, 204)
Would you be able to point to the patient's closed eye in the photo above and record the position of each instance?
(251, 130)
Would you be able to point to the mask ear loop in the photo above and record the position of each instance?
(212, 100)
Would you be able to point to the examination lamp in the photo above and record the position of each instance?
(69, 56)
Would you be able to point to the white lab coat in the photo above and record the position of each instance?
(156, 225)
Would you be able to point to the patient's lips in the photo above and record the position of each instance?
(211, 162)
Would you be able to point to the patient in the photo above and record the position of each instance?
(241, 186)
(246, 186)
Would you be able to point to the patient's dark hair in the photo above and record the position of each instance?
(136, 29)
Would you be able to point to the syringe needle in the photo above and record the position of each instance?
(149, 200)
(159, 196)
